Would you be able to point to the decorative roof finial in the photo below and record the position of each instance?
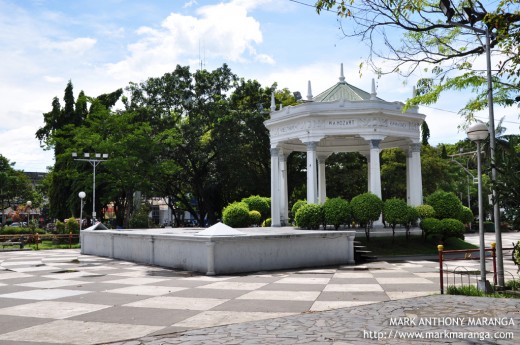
(341, 77)
(373, 94)
(309, 91)
(273, 104)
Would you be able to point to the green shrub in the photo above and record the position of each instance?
(11, 230)
(466, 215)
(297, 206)
(425, 211)
(255, 218)
(71, 225)
(267, 223)
(309, 216)
(139, 219)
(431, 227)
(258, 203)
(366, 208)
(336, 212)
(236, 215)
(446, 205)
(452, 228)
(60, 227)
(395, 211)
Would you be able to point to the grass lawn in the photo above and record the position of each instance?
(415, 245)
(50, 245)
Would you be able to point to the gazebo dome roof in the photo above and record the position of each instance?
(343, 91)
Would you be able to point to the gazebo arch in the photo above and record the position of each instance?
(343, 118)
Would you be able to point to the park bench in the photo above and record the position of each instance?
(7, 243)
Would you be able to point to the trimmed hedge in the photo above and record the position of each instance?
(236, 215)
(297, 206)
(266, 223)
(466, 215)
(431, 226)
(309, 216)
(425, 211)
(395, 211)
(445, 228)
(255, 218)
(366, 208)
(337, 211)
(446, 205)
(452, 228)
(258, 203)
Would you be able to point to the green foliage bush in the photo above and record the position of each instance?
(11, 230)
(366, 208)
(236, 215)
(336, 212)
(466, 215)
(258, 203)
(395, 211)
(309, 216)
(446, 205)
(452, 228)
(71, 225)
(255, 218)
(411, 217)
(60, 227)
(431, 227)
(425, 211)
(297, 206)
(267, 223)
(139, 219)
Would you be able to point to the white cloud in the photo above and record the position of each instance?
(77, 46)
(220, 32)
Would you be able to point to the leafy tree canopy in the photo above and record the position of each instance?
(413, 36)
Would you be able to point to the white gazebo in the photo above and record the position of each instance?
(341, 119)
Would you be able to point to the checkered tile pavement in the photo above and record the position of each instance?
(63, 297)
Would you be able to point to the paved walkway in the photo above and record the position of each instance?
(63, 297)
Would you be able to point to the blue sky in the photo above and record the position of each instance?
(102, 45)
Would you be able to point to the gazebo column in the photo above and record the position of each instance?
(311, 172)
(374, 174)
(409, 173)
(284, 204)
(415, 186)
(322, 181)
(275, 187)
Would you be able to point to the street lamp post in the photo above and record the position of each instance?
(81, 196)
(472, 18)
(27, 210)
(95, 160)
(478, 133)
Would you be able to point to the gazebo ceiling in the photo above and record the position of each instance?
(343, 119)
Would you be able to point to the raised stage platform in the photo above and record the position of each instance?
(221, 249)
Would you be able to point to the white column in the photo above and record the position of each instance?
(322, 181)
(368, 172)
(408, 175)
(375, 167)
(284, 203)
(416, 194)
(275, 188)
(311, 173)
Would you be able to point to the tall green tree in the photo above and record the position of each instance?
(15, 187)
(414, 35)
